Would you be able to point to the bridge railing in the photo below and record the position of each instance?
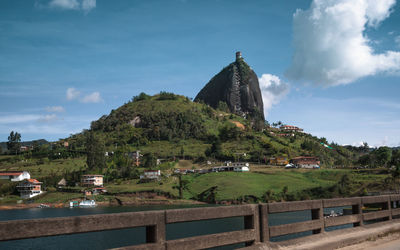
(255, 220)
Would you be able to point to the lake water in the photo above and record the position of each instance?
(126, 237)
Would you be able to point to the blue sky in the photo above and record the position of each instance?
(331, 67)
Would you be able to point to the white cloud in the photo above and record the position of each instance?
(18, 118)
(272, 90)
(55, 109)
(65, 4)
(330, 45)
(72, 94)
(84, 5)
(92, 98)
(48, 118)
(88, 5)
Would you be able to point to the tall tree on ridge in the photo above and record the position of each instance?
(14, 142)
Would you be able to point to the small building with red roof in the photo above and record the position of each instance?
(15, 175)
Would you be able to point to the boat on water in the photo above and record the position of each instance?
(73, 204)
(43, 206)
(87, 203)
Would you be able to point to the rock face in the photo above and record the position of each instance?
(236, 85)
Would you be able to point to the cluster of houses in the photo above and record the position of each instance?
(155, 175)
(297, 162)
(286, 131)
(93, 183)
(27, 187)
(228, 166)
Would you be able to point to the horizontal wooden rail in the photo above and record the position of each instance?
(376, 215)
(395, 211)
(342, 220)
(208, 213)
(395, 197)
(23, 229)
(255, 221)
(375, 199)
(213, 240)
(294, 228)
(341, 202)
(281, 207)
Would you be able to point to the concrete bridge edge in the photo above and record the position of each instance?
(334, 239)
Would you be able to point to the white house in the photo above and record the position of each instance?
(240, 164)
(15, 175)
(92, 180)
(29, 188)
(241, 169)
(151, 175)
(235, 166)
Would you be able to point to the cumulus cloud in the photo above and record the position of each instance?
(72, 94)
(330, 44)
(92, 98)
(84, 5)
(88, 5)
(48, 118)
(21, 118)
(55, 109)
(272, 90)
(65, 4)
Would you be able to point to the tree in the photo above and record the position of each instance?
(384, 155)
(395, 176)
(215, 150)
(223, 106)
(396, 157)
(95, 151)
(181, 185)
(14, 142)
(149, 160)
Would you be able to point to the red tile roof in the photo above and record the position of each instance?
(34, 181)
(8, 173)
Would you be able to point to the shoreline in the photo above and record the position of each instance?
(139, 202)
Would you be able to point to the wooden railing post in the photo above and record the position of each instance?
(156, 233)
(253, 222)
(387, 206)
(264, 228)
(318, 214)
(357, 209)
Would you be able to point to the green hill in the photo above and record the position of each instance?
(169, 125)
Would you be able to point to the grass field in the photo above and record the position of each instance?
(231, 185)
(57, 197)
(41, 168)
(131, 186)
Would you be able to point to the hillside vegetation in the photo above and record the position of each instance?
(169, 126)
(185, 134)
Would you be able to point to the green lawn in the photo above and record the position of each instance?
(57, 197)
(233, 185)
(166, 185)
(45, 167)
